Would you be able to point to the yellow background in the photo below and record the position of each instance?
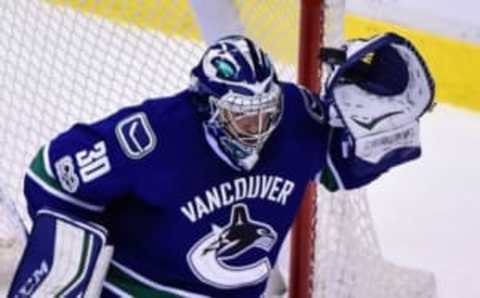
(454, 63)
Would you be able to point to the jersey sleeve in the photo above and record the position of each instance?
(85, 168)
(314, 106)
(345, 170)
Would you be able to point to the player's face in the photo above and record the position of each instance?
(250, 127)
(248, 124)
(250, 119)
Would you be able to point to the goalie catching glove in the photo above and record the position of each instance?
(378, 94)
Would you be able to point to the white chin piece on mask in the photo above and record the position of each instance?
(249, 162)
(235, 155)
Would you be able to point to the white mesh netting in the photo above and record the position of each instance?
(348, 259)
(12, 239)
(59, 66)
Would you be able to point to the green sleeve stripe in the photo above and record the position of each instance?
(125, 278)
(38, 173)
(328, 180)
(133, 287)
(46, 160)
(39, 168)
(59, 194)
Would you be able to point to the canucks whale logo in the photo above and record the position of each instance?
(209, 257)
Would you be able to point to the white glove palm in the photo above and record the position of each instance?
(378, 94)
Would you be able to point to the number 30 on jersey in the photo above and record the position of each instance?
(93, 163)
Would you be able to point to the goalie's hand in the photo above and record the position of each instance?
(378, 93)
(379, 75)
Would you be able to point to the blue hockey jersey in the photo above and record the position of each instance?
(181, 220)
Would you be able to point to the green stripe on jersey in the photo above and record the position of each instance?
(38, 168)
(328, 180)
(133, 287)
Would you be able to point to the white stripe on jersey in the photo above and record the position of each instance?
(46, 161)
(63, 196)
(116, 290)
(154, 285)
(91, 227)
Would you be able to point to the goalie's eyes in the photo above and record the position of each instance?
(249, 124)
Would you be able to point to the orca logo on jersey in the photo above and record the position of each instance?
(208, 258)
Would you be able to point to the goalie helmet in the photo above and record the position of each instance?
(239, 98)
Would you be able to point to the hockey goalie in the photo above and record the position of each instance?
(192, 195)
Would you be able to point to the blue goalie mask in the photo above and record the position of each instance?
(239, 98)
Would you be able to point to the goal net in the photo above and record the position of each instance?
(68, 61)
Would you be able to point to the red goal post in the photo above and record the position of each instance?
(302, 254)
(334, 247)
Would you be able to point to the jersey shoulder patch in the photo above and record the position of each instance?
(136, 136)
